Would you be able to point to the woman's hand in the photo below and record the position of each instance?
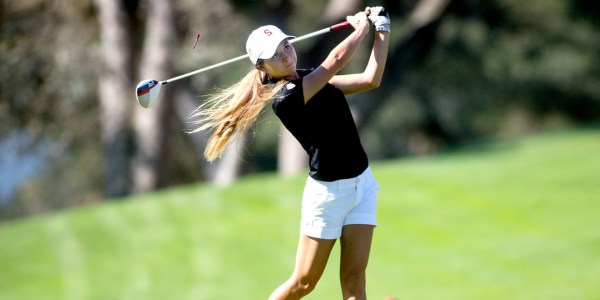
(379, 17)
(359, 20)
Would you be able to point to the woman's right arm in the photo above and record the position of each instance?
(337, 59)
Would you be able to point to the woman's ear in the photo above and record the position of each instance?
(259, 65)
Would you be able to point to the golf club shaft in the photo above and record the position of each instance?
(301, 38)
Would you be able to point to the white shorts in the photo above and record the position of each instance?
(329, 206)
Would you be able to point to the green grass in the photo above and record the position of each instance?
(509, 220)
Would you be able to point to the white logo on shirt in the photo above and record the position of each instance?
(290, 86)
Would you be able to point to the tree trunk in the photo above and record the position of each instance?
(229, 168)
(338, 9)
(115, 92)
(186, 103)
(152, 125)
(291, 157)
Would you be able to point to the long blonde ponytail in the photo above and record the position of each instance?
(232, 110)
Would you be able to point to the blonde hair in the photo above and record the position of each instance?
(232, 110)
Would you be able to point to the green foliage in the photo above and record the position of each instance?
(508, 220)
(495, 58)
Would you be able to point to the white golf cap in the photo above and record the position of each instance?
(263, 42)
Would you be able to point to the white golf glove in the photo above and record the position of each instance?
(380, 18)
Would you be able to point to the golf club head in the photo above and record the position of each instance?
(147, 92)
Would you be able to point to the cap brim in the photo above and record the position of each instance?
(272, 48)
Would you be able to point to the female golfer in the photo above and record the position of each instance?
(340, 195)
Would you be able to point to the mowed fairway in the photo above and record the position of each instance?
(508, 220)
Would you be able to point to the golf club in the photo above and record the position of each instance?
(147, 90)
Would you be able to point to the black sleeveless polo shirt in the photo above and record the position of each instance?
(324, 127)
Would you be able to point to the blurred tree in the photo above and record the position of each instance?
(48, 98)
(151, 160)
(413, 38)
(116, 18)
(501, 67)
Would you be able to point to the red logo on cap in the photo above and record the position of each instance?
(268, 32)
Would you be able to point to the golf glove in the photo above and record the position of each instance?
(380, 18)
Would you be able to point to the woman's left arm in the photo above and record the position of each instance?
(371, 77)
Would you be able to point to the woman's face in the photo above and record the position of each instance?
(283, 63)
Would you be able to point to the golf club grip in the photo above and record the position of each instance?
(340, 25)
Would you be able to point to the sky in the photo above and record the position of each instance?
(21, 158)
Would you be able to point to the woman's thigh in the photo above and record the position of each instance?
(355, 244)
(312, 256)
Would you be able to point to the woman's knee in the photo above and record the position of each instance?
(306, 284)
(353, 283)
(298, 286)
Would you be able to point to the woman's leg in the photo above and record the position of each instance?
(311, 259)
(355, 250)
